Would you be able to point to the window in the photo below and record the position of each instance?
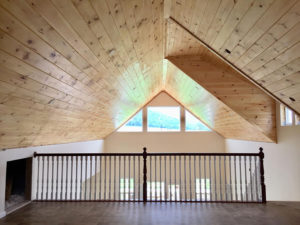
(288, 117)
(163, 118)
(203, 189)
(174, 192)
(194, 124)
(135, 124)
(155, 190)
(126, 188)
(297, 120)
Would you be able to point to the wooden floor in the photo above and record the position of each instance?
(280, 213)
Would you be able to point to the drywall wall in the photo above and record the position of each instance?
(19, 153)
(164, 141)
(282, 162)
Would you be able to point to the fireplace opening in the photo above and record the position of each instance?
(18, 183)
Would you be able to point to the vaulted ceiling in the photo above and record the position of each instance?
(75, 70)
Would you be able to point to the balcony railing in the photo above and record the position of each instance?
(151, 177)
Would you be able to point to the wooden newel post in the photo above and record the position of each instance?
(262, 175)
(145, 175)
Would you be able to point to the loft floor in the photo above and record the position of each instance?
(281, 213)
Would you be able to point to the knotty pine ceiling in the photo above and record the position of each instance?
(75, 70)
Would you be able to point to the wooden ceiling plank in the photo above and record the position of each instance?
(208, 16)
(223, 12)
(82, 32)
(280, 28)
(285, 42)
(237, 13)
(273, 14)
(255, 12)
(284, 58)
(219, 117)
(41, 28)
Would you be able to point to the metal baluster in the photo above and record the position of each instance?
(76, 178)
(245, 162)
(100, 176)
(165, 178)
(120, 177)
(62, 175)
(216, 194)
(124, 178)
(86, 170)
(91, 172)
(71, 177)
(42, 194)
(155, 182)
(104, 197)
(205, 179)
(225, 178)
(56, 193)
(139, 175)
(150, 178)
(195, 178)
(110, 176)
(210, 192)
(241, 187)
(47, 180)
(96, 165)
(185, 178)
(81, 172)
(175, 178)
(160, 181)
(180, 188)
(230, 180)
(190, 179)
(170, 173)
(115, 174)
(66, 191)
(200, 178)
(52, 184)
(38, 176)
(251, 189)
(221, 196)
(256, 183)
(235, 180)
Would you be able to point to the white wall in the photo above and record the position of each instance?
(282, 162)
(164, 141)
(19, 153)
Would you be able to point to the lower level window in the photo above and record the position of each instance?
(174, 192)
(156, 190)
(203, 189)
(126, 188)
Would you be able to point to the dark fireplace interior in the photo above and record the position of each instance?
(18, 182)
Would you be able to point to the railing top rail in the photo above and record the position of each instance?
(148, 154)
(87, 154)
(203, 154)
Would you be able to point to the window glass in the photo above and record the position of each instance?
(174, 192)
(126, 188)
(288, 116)
(297, 120)
(203, 189)
(163, 118)
(194, 124)
(156, 190)
(135, 124)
